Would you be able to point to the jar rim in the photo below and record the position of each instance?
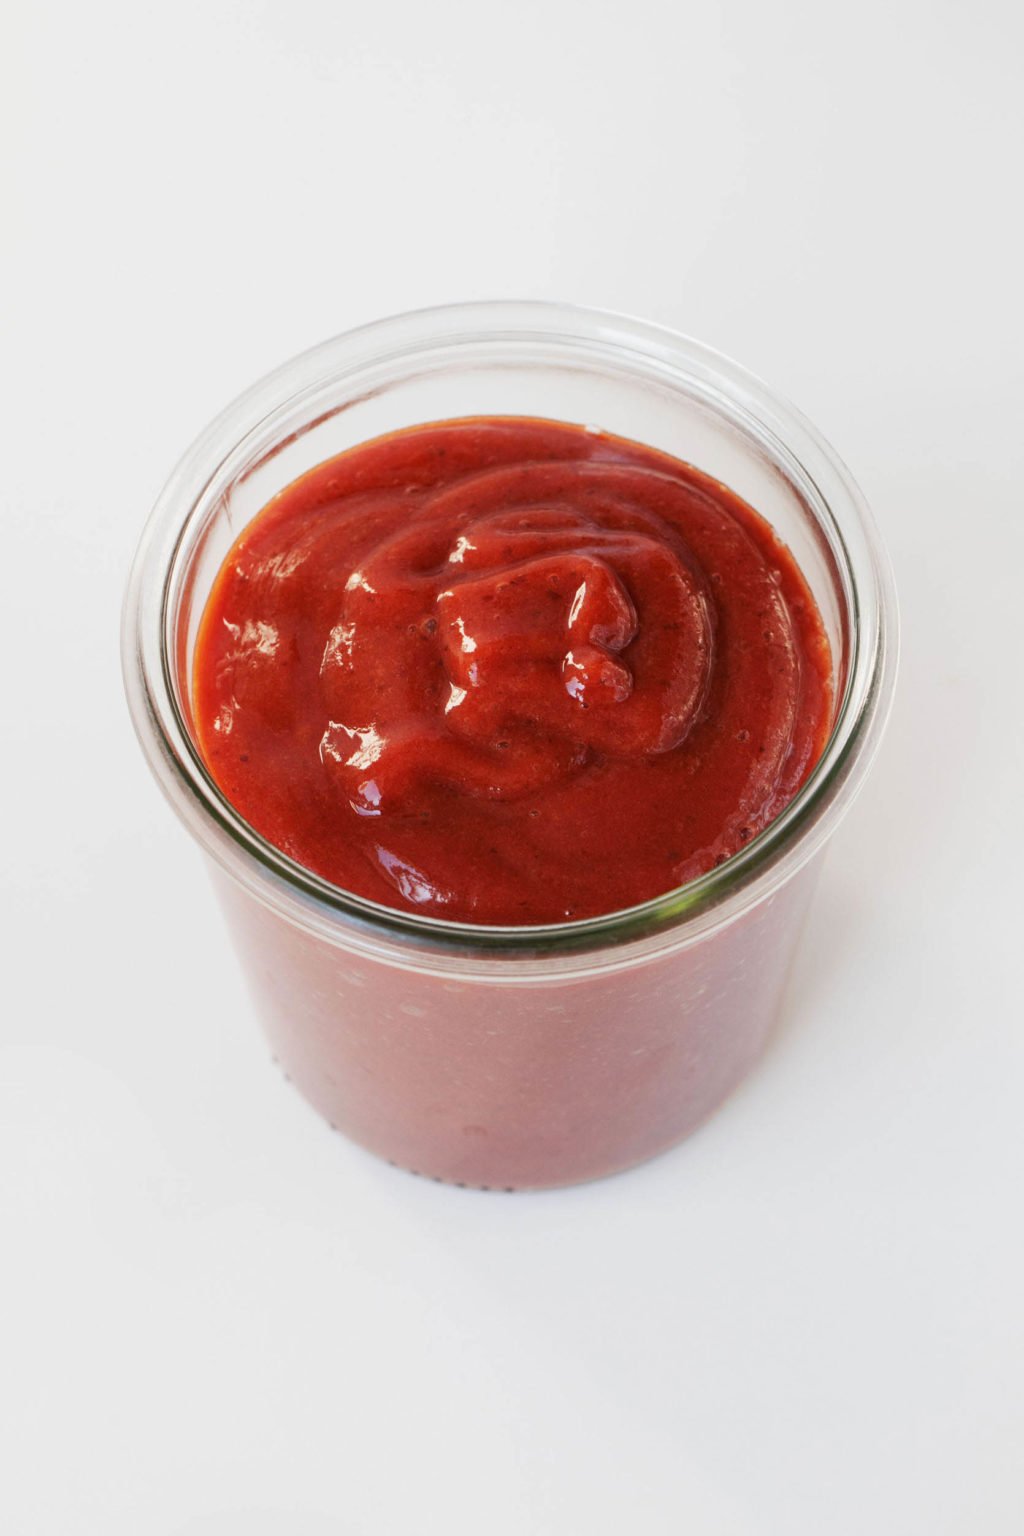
(677, 916)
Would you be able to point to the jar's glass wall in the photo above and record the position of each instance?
(513, 1057)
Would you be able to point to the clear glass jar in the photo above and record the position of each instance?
(529, 1056)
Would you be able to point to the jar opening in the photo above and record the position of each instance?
(621, 374)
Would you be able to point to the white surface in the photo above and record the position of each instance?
(217, 1318)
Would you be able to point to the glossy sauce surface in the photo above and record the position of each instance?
(504, 670)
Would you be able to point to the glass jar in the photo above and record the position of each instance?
(530, 1056)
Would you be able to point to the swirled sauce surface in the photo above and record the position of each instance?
(504, 670)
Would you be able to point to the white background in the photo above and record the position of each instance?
(217, 1318)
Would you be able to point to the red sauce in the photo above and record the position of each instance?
(502, 670)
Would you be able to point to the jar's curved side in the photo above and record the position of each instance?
(465, 1079)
